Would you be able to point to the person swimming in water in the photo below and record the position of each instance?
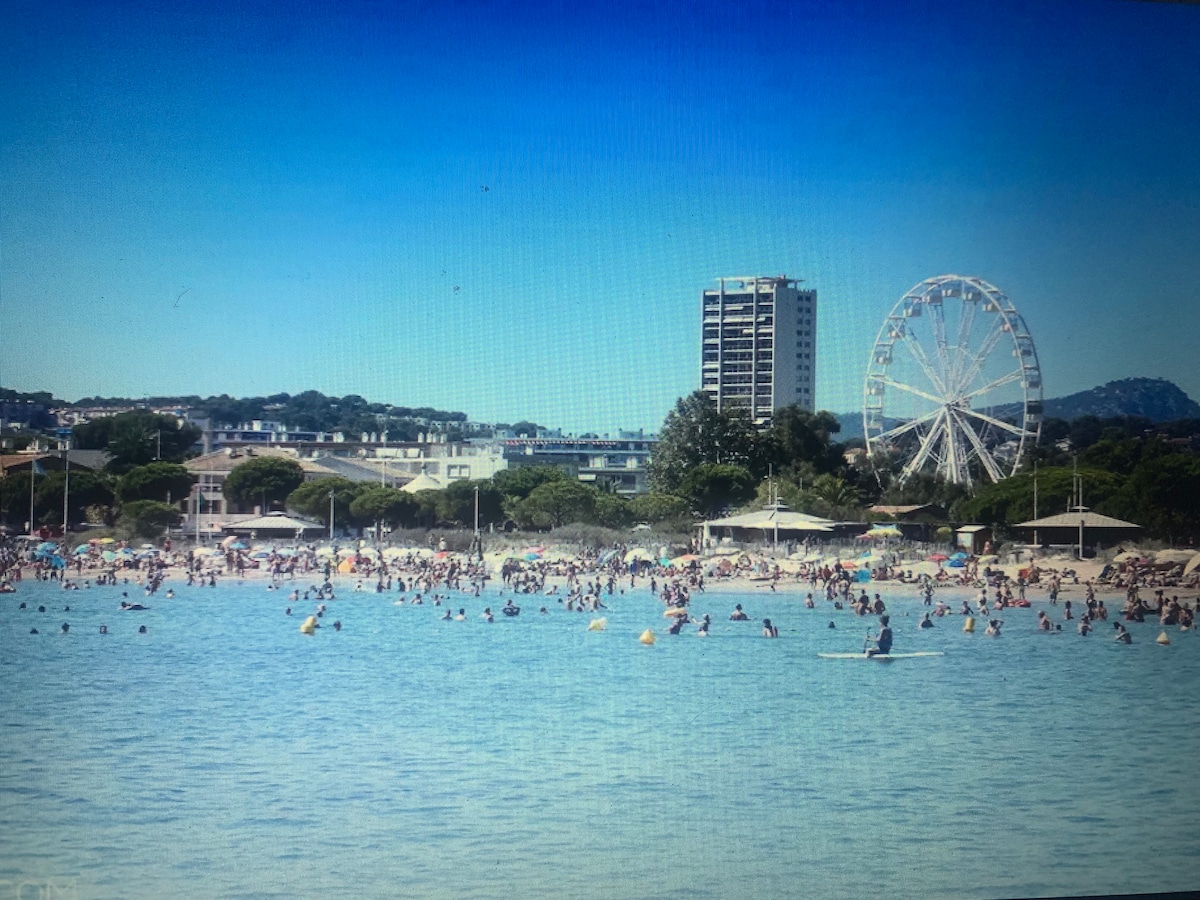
(738, 614)
(883, 640)
(769, 630)
(1123, 636)
(993, 629)
(926, 622)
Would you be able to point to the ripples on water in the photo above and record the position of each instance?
(225, 754)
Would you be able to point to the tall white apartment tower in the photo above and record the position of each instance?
(759, 345)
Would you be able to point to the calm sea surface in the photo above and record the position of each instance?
(224, 754)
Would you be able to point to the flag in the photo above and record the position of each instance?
(37, 468)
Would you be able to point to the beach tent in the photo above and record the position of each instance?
(774, 519)
(1192, 565)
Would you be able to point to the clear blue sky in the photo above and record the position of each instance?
(244, 198)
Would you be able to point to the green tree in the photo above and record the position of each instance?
(711, 488)
(1162, 493)
(137, 438)
(85, 489)
(801, 442)
(1010, 501)
(664, 509)
(557, 503)
(696, 432)
(155, 481)
(311, 500)
(527, 428)
(148, 518)
(14, 498)
(390, 506)
(518, 483)
(264, 480)
(839, 496)
(612, 511)
(457, 504)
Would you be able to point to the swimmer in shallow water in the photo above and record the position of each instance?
(993, 629)
(738, 614)
(769, 630)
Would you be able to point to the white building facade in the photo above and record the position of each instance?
(759, 344)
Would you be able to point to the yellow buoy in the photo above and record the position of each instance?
(969, 625)
(309, 626)
(647, 637)
(597, 624)
(1162, 639)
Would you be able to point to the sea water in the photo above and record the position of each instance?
(225, 754)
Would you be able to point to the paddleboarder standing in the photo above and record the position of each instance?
(883, 641)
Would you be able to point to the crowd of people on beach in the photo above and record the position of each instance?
(581, 583)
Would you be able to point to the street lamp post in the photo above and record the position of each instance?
(66, 484)
(331, 515)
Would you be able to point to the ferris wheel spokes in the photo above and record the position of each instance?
(917, 405)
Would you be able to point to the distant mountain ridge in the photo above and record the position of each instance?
(1155, 399)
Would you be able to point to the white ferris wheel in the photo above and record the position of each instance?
(953, 386)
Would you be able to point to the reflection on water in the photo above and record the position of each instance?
(225, 754)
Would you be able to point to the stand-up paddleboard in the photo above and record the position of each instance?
(881, 657)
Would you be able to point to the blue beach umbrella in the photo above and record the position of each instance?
(108, 556)
(82, 549)
(58, 562)
(46, 547)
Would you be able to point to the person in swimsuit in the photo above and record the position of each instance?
(883, 640)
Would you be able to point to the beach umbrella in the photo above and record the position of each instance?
(345, 566)
(1174, 556)
(347, 552)
(641, 554)
(46, 547)
(1192, 565)
(956, 563)
(106, 540)
(108, 556)
(324, 551)
(261, 554)
(229, 540)
(960, 555)
(394, 552)
(82, 549)
(937, 557)
(57, 562)
(368, 551)
(687, 559)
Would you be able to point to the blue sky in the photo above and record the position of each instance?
(243, 198)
